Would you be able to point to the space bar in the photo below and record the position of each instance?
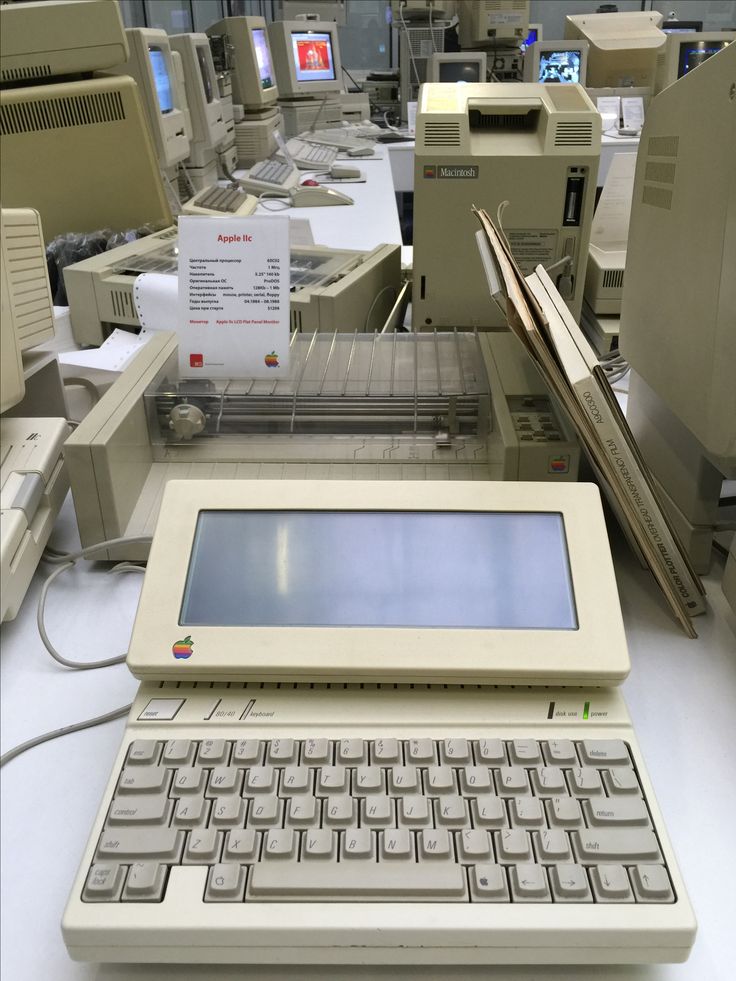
(388, 881)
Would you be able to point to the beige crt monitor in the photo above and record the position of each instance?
(547, 544)
(535, 146)
(556, 62)
(623, 46)
(80, 153)
(151, 65)
(26, 279)
(44, 40)
(683, 52)
(254, 78)
(487, 23)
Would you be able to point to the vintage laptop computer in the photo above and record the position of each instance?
(378, 723)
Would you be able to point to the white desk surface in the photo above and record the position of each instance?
(372, 220)
(681, 695)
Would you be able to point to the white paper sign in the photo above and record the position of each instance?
(411, 117)
(233, 297)
(609, 105)
(632, 109)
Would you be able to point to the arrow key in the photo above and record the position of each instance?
(570, 884)
(529, 884)
(611, 884)
(652, 884)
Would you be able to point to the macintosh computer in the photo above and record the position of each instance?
(623, 47)
(684, 51)
(457, 66)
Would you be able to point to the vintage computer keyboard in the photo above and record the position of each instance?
(207, 830)
(218, 200)
(310, 156)
(271, 175)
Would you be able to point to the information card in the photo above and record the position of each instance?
(233, 297)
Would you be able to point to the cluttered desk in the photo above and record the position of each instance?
(384, 634)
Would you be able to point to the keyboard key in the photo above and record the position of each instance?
(611, 884)
(439, 780)
(339, 881)
(203, 847)
(624, 812)
(584, 781)
(352, 751)
(295, 781)
(368, 780)
(386, 751)
(421, 751)
(396, 843)
(451, 811)
(213, 752)
(434, 843)
(332, 780)
(488, 884)
(144, 752)
(259, 780)
(512, 845)
(552, 845)
(511, 781)
(317, 751)
(560, 752)
(228, 812)
(320, 843)
(475, 780)
(524, 752)
(403, 780)
(620, 845)
(139, 809)
(358, 843)
(621, 780)
(455, 751)
(265, 811)
(191, 812)
(242, 845)
(143, 780)
(340, 811)
(569, 884)
(474, 845)
(225, 883)
(529, 884)
(149, 844)
(564, 812)
(188, 780)
(282, 751)
(490, 752)
(651, 884)
(526, 812)
(548, 781)
(377, 811)
(279, 843)
(104, 883)
(303, 812)
(224, 780)
(248, 752)
(145, 883)
(414, 811)
(179, 752)
(488, 811)
(604, 752)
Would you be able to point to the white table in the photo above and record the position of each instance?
(681, 695)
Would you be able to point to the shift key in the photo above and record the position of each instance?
(620, 846)
(146, 844)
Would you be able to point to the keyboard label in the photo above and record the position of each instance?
(233, 297)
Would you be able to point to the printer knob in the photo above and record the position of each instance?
(186, 420)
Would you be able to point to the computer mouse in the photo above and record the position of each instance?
(310, 183)
(360, 151)
(317, 197)
(343, 172)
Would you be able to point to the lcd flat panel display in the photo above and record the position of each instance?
(410, 569)
(161, 79)
(559, 66)
(263, 58)
(694, 53)
(312, 52)
(459, 71)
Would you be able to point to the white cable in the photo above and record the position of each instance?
(376, 298)
(408, 45)
(431, 28)
(55, 733)
(65, 560)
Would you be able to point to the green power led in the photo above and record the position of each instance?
(586, 709)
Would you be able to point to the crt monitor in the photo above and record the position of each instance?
(200, 81)
(622, 47)
(534, 34)
(557, 62)
(681, 26)
(306, 57)
(254, 78)
(684, 52)
(151, 66)
(457, 66)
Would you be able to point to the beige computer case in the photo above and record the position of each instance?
(535, 146)
(623, 46)
(80, 153)
(27, 283)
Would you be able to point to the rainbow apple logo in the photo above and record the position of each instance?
(272, 360)
(183, 649)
